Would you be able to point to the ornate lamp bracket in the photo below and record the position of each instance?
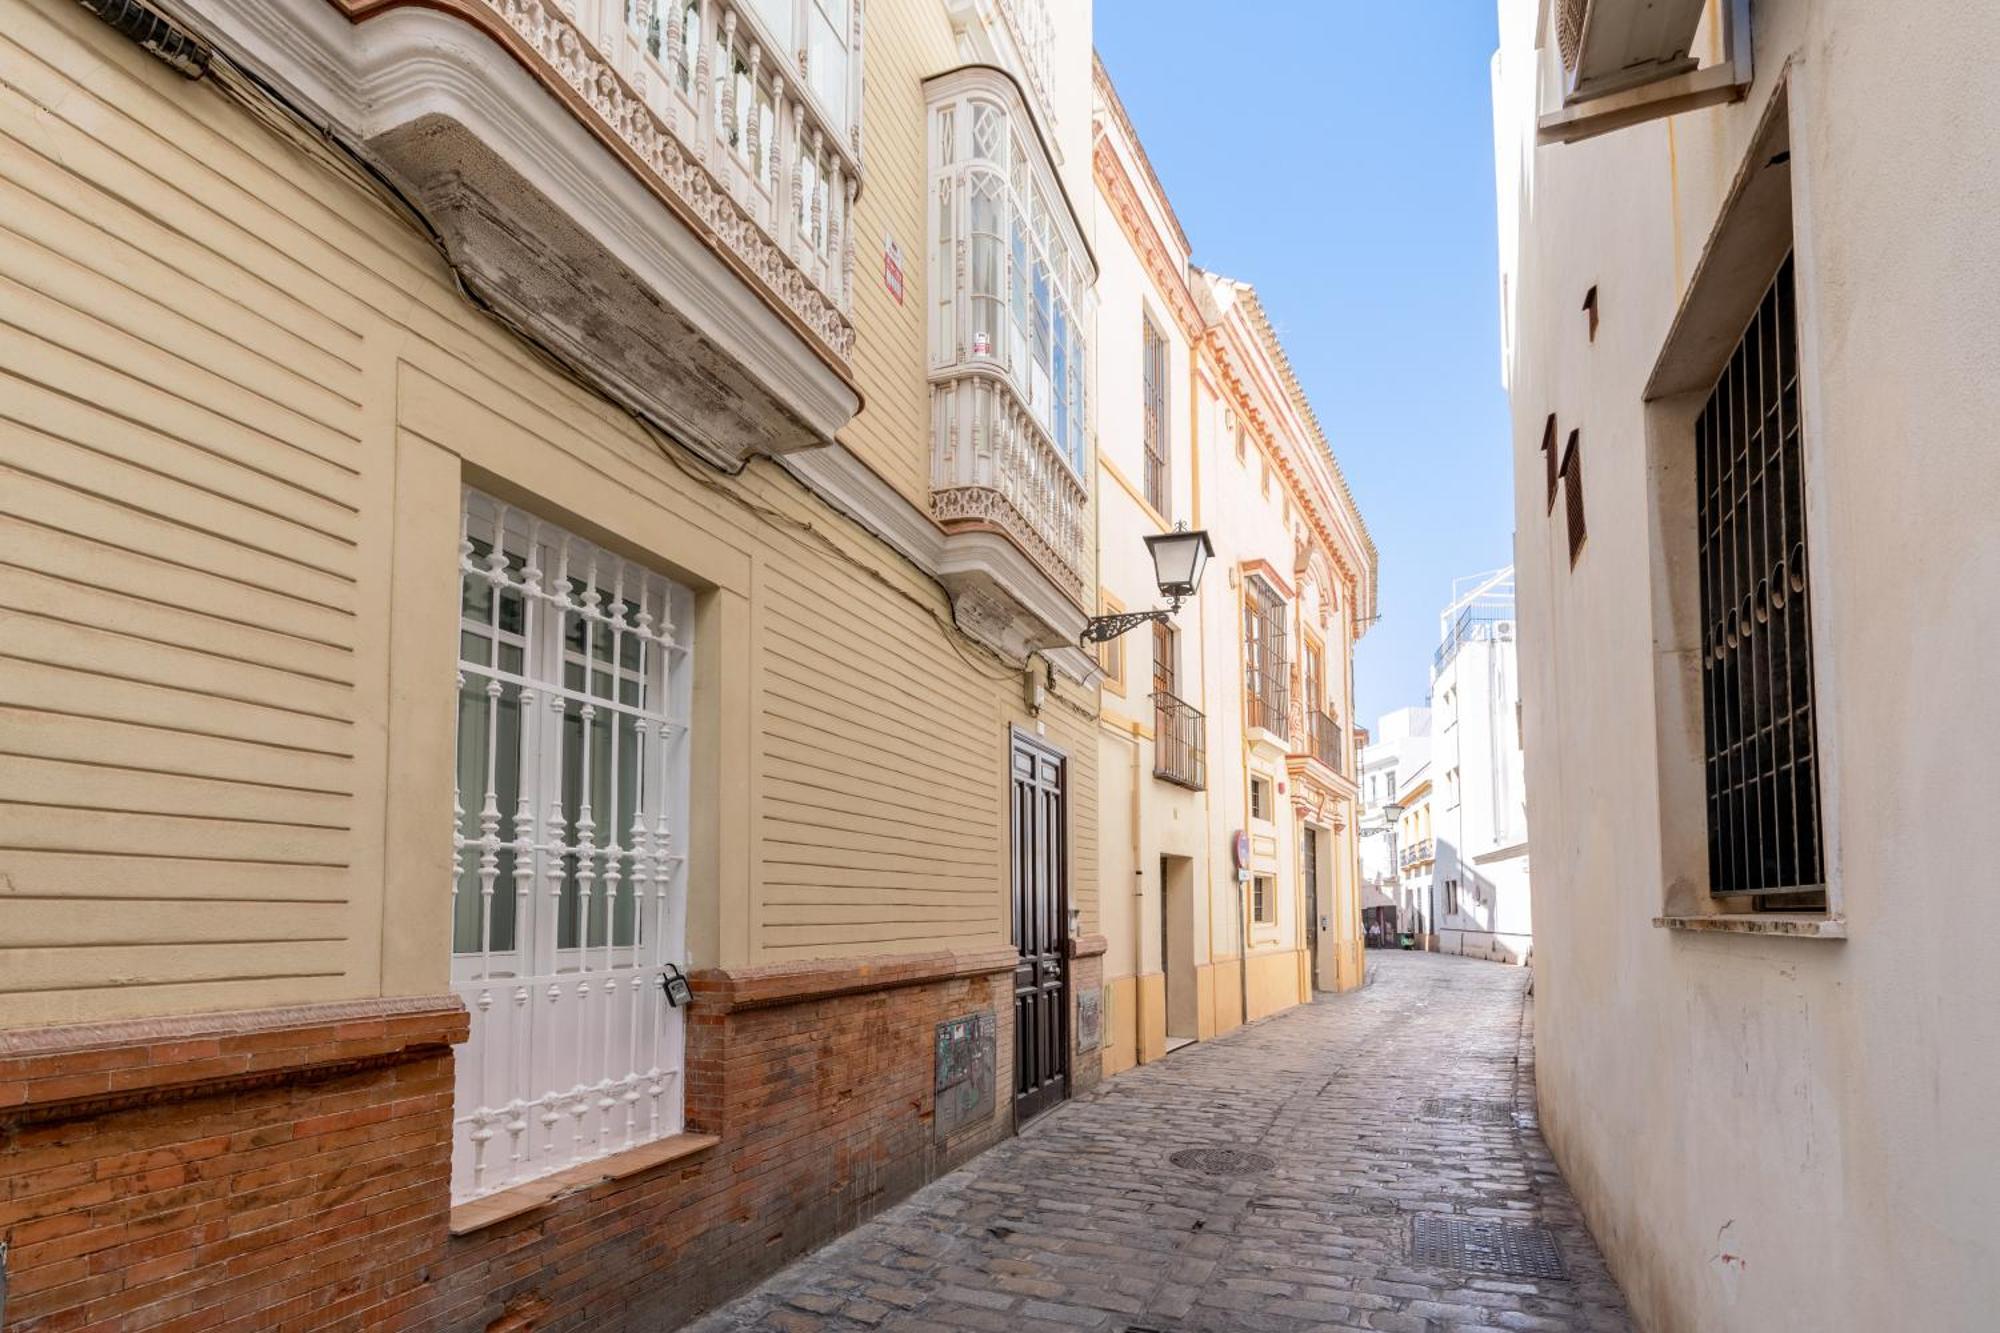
(1102, 629)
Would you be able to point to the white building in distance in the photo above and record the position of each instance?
(1480, 875)
(1391, 766)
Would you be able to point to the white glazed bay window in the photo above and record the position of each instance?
(569, 874)
(1010, 284)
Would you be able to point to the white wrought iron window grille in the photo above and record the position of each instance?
(568, 866)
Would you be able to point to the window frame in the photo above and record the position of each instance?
(1755, 228)
(519, 1107)
(1155, 378)
(1043, 273)
(1266, 655)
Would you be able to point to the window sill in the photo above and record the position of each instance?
(492, 1209)
(1810, 925)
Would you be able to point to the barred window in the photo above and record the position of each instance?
(1154, 389)
(1759, 718)
(1266, 661)
(568, 883)
(1264, 899)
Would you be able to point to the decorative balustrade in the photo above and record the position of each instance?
(1180, 741)
(993, 464)
(747, 110)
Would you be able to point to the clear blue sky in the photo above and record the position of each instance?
(1339, 156)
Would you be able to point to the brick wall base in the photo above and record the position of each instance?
(290, 1169)
(819, 1080)
(226, 1173)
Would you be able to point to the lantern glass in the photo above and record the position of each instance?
(1178, 560)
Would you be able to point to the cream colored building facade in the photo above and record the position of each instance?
(1766, 1029)
(504, 507)
(1232, 720)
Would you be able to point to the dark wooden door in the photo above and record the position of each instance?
(1309, 871)
(1041, 909)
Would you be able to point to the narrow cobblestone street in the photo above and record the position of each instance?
(1408, 1100)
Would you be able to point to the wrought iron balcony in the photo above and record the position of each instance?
(1180, 742)
(1266, 708)
(1327, 739)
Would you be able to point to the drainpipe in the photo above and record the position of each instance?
(1139, 895)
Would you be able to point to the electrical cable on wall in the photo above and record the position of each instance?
(328, 148)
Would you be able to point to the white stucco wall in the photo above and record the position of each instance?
(1765, 1132)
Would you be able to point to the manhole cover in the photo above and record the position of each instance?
(1473, 1246)
(1468, 1110)
(1222, 1161)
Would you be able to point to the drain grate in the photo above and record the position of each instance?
(1223, 1161)
(1473, 1246)
(1468, 1111)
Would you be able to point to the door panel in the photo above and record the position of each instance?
(1309, 871)
(1041, 909)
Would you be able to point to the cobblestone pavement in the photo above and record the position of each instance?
(1083, 1223)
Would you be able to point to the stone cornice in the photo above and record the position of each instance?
(75, 1070)
(732, 990)
(1116, 105)
(1115, 184)
(1249, 395)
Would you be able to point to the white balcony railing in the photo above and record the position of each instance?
(748, 111)
(993, 464)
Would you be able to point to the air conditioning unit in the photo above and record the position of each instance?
(1503, 630)
(1608, 46)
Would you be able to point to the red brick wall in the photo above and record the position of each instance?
(291, 1169)
(823, 1102)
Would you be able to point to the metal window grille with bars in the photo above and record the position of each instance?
(1757, 678)
(568, 876)
(1266, 660)
(1263, 899)
(1154, 373)
(1180, 740)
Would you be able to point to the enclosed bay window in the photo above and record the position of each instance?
(1018, 303)
(1010, 283)
(568, 885)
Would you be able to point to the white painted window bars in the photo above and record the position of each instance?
(568, 869)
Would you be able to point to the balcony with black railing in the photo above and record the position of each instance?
(1180, 742)
(1328, 739)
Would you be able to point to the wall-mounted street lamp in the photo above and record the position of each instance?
(1178, 559)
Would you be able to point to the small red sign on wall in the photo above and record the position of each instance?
(892, 268)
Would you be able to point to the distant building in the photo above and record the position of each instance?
(1390, 760)
(1481, 873)
(1226, 814)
